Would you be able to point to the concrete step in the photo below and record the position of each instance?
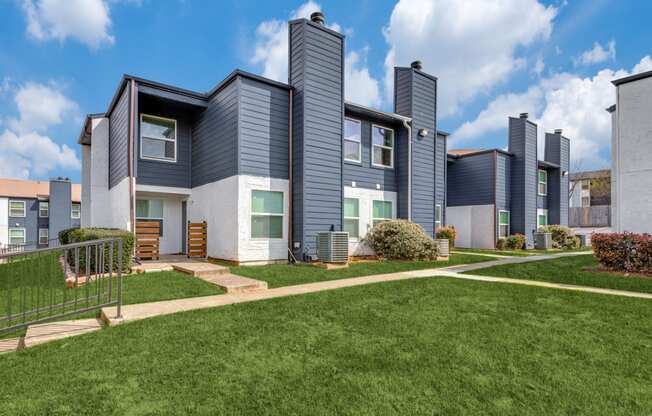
(51, 331)
(10, 345)
(232, 283)
(198, 269)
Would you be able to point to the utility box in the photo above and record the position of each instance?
(333, 247)
(444, 248)
(542, 241)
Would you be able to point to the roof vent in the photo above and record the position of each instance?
(524, 115)
(318, 17)
(558, 131)
(416, 65)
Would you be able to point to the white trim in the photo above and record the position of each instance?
(72, 211)
(393, 216)
(24, 235)
(359, 141)
(47, 204)
(357, 200)
(149, 199)
(509, 220)
(539, 182)
(380, 165)
(440, 215)
(175, 141)
(163, 189)
(47, 236)
(543, 212)
(266, 214)
(24, 209)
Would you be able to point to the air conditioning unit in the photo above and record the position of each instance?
(333, 247)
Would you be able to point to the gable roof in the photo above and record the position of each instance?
(22, 188)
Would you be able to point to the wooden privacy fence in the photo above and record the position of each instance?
(197, 236)
(147, 239)
(595, 216)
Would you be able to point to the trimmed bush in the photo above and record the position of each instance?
(562, 237)
(78, 235)
(448, 233)
(626, 252)
(64, 235)
(513, 242)
(401, 240)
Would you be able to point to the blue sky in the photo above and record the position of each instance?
(61, 59)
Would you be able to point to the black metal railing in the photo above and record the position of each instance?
(51, 283)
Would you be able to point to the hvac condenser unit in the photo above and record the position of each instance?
(333, 247)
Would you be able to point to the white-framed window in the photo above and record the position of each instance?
(352, 140)
(150, 209)
(17, 209)
(543, 182)
(43, 236)
(352, 217)
(75, 211)
(158, 138)
(437, 217)
(586, 201)
(382, 147)
(17, 236)
(43, 209)
(381, 211)
(503, 224)
(586, 184)
(266, 214)
(542, 217)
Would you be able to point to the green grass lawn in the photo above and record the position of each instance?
(569, 270)
(424, 346)
(277, 275)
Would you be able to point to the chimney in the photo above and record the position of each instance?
(558, 131)
(557, 151)
(524, 115)
(416, 65)
(316, 71)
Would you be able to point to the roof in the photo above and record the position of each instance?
(631, 78)
(462, 152)
(611, 108)
(546, 164)
(372, 112)
(22, 188)
(458, 153)
(591, 174)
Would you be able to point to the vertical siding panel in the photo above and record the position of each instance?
(119, 139)
(523, 144)
(470, 180)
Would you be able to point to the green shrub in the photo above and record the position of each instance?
(501, 244)
(513, 242)
(562, 237)
(64, 235)
(627, 252)
(78, 235)
(401, 240)
(448, 233)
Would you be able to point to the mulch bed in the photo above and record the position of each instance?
(602, 269)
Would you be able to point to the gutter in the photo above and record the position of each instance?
(130, 151)
(407, 125)
(290, 173)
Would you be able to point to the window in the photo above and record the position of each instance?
(149, 209)
(503, 224)
(437, 217)
(43, 236)
(17, 209)
(352, 146)
(43, 209)
(382, 153)
(543, 182)
(586, 185)
(352, 217)
(17, 236)
(586, 201)
(381, 212)
(266, 214)
(75, 211)
(542, 217)
(158, 138)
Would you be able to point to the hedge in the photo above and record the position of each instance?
(449, 233)
(513, 242)
(401, 240)
(627, 252)
(77, 235)
(562, 237)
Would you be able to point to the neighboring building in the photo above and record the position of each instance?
(590, 188)
(494, 193)
(33, 212)
(631, 154)
(266, 164)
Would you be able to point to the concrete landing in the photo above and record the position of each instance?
(235, 284)
(200, 269)
(9, 345)
(41, 333)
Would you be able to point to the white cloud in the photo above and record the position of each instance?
(597, 54)
(470, 45)
(538, 67)
(88, 21)
(25, 151)
(271, 52)
(567, 101)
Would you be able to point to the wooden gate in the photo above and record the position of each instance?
(197, 236)
(147, 239)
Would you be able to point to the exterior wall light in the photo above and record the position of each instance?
(423, 132)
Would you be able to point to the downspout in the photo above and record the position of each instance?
(407, 125)
(495, 184)
(290, 184)
(130, 151)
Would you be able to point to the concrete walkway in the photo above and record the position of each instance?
(512, 260)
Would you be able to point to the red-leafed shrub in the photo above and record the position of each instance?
(449, 233)
(627, 252)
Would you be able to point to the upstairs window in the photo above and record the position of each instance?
(352, 217)
(75, 211)
(158, 138)
(381, 212)
(382, 143)
(543, 182)
(503, 224)
(17, 209)
(43, 209)
(352, 143)
(266, 214)
(586, 185)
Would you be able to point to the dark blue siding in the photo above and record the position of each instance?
(163, 173)
(317, 72)
(523, 144)
(470, 180)
(119, 139)
(557, 150)
(503, 191)
(215, 138)
(263, 129)
(402, 173)
(29, 222)
(60, 207)
(364, 174)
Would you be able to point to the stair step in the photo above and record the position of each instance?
(9, 345)
(236, 284)
(200, 269)
(51, 331)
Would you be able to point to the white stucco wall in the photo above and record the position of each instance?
(474, 224)
(4, 221)
(366, 198)
(86, 186)
(117, 207)
(97, 198)
(633, 157)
